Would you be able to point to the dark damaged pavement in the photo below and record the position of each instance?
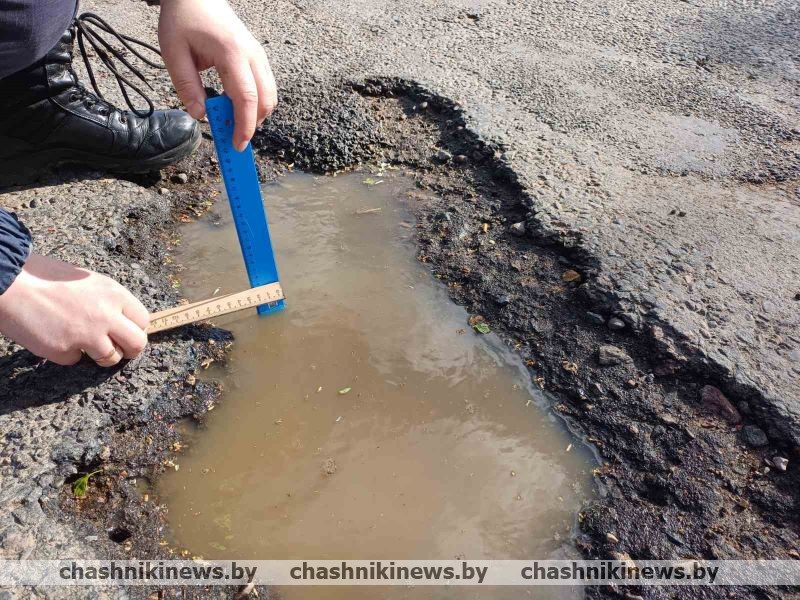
(655, 144)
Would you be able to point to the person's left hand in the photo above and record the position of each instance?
(196, 35)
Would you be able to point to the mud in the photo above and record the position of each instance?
(367, 419)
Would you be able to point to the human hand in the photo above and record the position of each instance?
(56, 310)
(196, 35)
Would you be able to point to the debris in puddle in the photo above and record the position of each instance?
(482, 328)
(338, 419)
(329, 466)
(372, 181)
(368, 211)
(569, 447)
(479, 324)
(344, 391)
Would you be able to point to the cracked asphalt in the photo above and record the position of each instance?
(660, 140)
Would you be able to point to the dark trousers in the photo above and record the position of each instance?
(29, 29)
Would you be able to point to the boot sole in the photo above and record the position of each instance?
(24, 169)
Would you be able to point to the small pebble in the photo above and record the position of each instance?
(616, 323)
(753, 436)
(443, 155)
(518, 229)
(780, 463)
(595, 318)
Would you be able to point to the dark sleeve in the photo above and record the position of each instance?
(15, 245)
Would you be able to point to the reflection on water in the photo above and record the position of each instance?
(367, 420)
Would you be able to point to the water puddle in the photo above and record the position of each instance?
(367, 420)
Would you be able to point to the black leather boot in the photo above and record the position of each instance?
(48, 118)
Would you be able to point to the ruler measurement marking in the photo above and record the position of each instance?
(244, 194)
(193, 312)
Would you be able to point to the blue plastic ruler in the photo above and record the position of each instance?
(244, 193)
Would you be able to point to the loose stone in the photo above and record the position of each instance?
(616, 323)
(608, 355)
(754, 437)
(595, 318)
(518, 229)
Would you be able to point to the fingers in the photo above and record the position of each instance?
(186, 79)
(267, 91)
(125, 339)
(67, 358)
(128, 337)
(240, 85)
(104, 352)
(136, 312)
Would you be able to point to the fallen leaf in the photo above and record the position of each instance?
(80, 484)
(482, 327)
(570, 276)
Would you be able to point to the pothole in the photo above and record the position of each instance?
(369, 419)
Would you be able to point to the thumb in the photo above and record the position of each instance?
(186, 80)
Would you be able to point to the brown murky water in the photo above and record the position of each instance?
(367, 420)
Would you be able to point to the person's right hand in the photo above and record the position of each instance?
(57, 310)
(196, 35)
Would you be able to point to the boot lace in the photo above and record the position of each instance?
(90, 28)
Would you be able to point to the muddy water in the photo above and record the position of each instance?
(367, 420)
